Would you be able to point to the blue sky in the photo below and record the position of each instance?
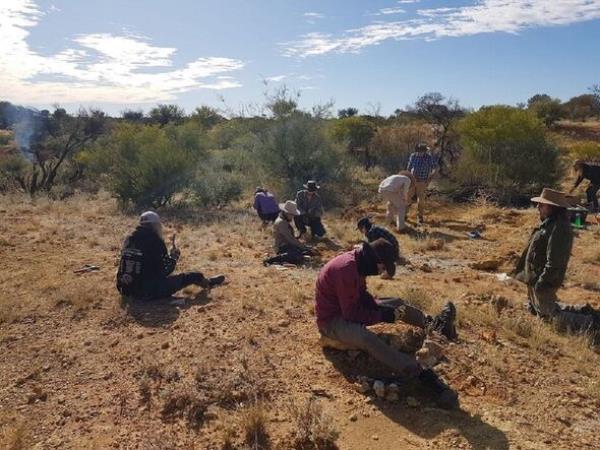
(375, 55)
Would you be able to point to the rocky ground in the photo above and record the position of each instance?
(241, 366)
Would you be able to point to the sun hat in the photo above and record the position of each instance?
(149, 218)
(311, 186)
(289, 207)
(552, 197)
(385, 254)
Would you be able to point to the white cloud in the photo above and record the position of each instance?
(97, 67)
(314, 15)
(484, 16)
(389, 11)
(276, 78)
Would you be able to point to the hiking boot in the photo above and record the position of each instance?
(216, 280)
(444, 322)
(445, 397)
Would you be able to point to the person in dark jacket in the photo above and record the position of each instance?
(344, 308)
(373, 232)
(543, 265)
(592, 173)
(311, 210)
(146, 267)
(265, 205)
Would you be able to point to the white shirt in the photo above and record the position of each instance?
(395, 183)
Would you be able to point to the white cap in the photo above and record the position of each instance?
(149, 218)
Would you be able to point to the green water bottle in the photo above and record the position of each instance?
(578, 223)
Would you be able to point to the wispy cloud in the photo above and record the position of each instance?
(484, 16)
(313, 17)
(389, 11)
(97, 67)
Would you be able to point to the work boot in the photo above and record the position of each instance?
(445, 398)
(444, 324)
(216, 280)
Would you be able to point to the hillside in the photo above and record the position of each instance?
(78, 371)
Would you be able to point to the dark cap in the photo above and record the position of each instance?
(421, 147)
(365, 222)
(311, 186)
(385, 254)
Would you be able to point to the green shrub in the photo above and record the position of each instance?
(589, 151)
(294, 149)
(147, 165)
(506, 148)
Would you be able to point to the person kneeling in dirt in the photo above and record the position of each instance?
(289, 249)
(543, 265)
(265, 205)
(344, 308)
(373, 232)
(145, 267)
(592, 173)
(311, 210)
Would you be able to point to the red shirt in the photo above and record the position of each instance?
(342, 292)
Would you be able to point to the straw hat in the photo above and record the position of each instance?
(552, 197)
(289, 207)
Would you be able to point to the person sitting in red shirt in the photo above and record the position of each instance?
(344, 308)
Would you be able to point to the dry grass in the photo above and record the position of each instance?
(15, 437)
(253, 421)
(312, 428)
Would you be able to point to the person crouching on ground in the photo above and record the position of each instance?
(288, 249)
(394, 190)
(543, 265)
(373, 232)
(344, 308)
(592, 173)
(311, 210)
(145, 266)
(265, 205)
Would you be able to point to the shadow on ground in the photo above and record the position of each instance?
(425, 421)
(162, 312)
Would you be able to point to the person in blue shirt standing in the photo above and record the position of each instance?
(423, 166)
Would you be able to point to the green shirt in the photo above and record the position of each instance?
(544, 262)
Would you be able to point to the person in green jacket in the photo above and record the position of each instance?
(543, 265)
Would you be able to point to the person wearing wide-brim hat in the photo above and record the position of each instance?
(311, 210)
(590, 172)
(288, 249)
(544, 262)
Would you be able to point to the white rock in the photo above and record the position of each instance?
(379, 388)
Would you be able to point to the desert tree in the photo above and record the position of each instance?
(443, 113)
(347, 112)
(164, 114)
(133, 116)
(48, 141)
(356, 133)
(207, 117)
(549, 109)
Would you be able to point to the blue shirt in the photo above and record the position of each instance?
(421, 165)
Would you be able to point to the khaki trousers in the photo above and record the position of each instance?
(396, 208)
(358, 336)
(421, 190)
(574, 318)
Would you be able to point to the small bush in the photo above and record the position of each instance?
(254, 426)
(296, 149)
(147, 165)
(313, 429)
(506, 148)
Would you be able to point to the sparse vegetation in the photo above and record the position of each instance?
(254, 425)
(313, 429)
